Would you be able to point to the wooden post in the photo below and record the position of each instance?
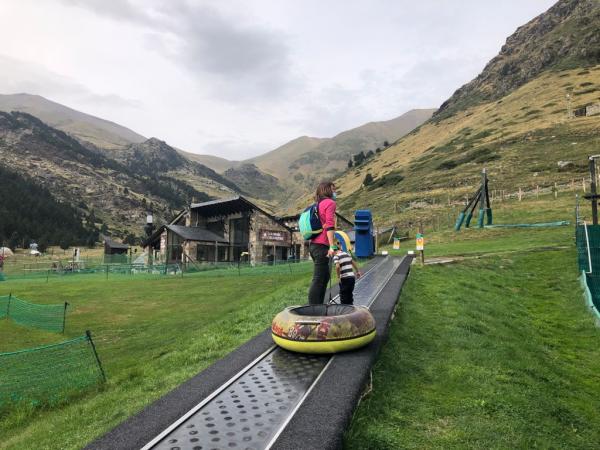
(537, 191)
(520, 194)
(555, 189)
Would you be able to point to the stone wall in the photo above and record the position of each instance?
(259, 221)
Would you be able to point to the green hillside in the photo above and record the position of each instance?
(520, 138)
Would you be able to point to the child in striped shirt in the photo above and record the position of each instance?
(345, 268)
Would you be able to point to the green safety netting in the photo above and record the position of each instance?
(142, 270)
(560, 223)
(587, 239)
(49, 374)
(45, 317)
(4, 306)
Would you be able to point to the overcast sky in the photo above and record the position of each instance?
(238, 78)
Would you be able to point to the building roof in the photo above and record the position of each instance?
(114, 244)
(195, 233)
(231, 205)
(187, 233)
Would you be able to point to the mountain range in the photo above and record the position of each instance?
(533, 105)
(530, 108)
(102, 167)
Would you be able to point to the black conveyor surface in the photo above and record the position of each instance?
(138, 430)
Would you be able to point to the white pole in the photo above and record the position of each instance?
(587, 244)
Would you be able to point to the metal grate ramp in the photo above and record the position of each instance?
(249, 411)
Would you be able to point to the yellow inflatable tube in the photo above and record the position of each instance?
(323, 328)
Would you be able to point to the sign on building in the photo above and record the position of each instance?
(273, 235)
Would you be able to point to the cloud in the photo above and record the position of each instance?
(237, 60)
(18, 76)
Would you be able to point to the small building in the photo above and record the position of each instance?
(227, 230)
(115, 252)
(592, 110)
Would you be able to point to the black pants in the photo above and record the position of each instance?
(316, 293)
(347, 290)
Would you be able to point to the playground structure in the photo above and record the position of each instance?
(481, 198)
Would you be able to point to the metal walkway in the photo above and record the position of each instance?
(250, 410)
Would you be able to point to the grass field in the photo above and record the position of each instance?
(495, 350)
(151, 333)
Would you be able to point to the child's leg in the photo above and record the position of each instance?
(347, 291)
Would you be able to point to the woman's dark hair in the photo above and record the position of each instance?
(324, 190)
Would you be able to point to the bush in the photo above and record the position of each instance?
(368, 179)
(389, 179)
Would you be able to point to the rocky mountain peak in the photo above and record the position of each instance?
(564, 37)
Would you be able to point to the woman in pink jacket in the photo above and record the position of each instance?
(323, 246)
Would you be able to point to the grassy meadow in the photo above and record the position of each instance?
(152, 333)
(495, 350)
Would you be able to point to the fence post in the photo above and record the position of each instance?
(520, 194)
(8, 306)
(89, 336)
(106, 271)
(64, 317)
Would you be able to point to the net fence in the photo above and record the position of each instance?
(49, 374)
(112, 271)
(45, 317)
(587, 239)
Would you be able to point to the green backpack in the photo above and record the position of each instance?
(309, 223)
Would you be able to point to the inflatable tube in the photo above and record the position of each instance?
(344, 241)
(323, 328)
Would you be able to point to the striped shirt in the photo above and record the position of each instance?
(344, 260)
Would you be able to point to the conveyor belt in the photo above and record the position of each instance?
(251, 409)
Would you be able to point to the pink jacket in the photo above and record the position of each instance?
(327, 215)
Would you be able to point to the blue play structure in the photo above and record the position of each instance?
(363, 229)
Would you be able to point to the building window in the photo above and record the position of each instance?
(239, 231)
(205, 252)
(217, 227)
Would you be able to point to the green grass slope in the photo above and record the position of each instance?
(495, 350)
(151, 334)
(520, 139)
